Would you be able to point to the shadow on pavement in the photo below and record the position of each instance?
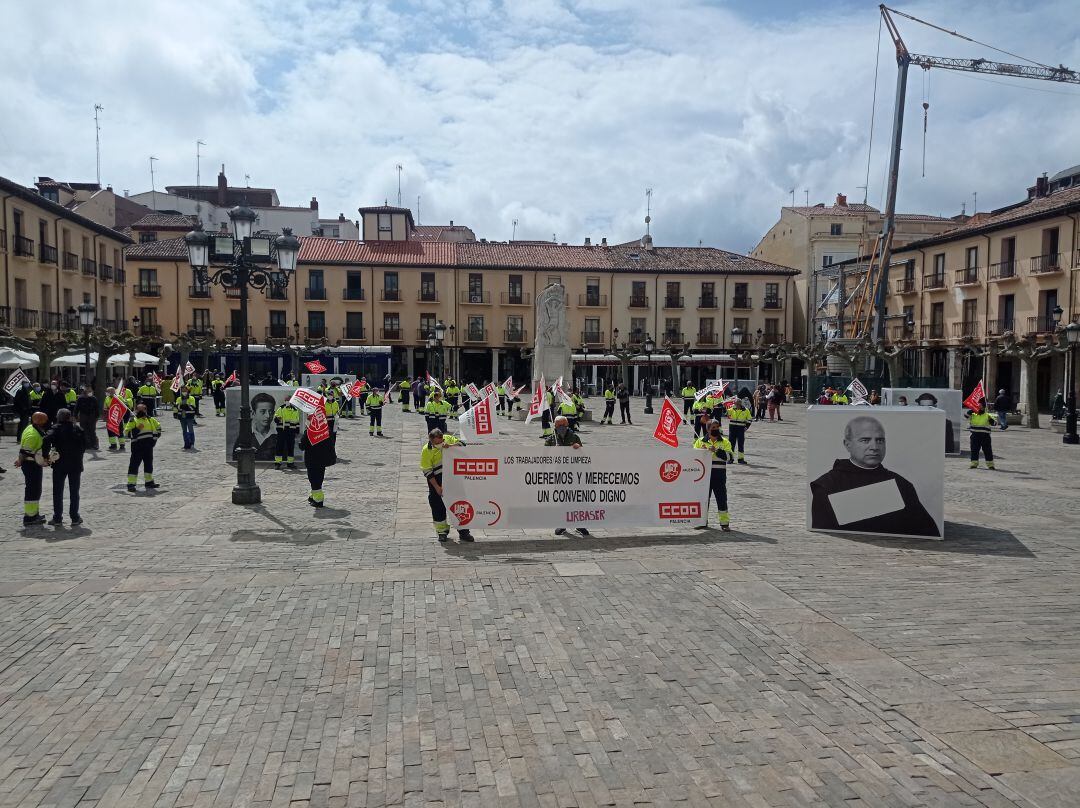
(959, 538)
(572, 542)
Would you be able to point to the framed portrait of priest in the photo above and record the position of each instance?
(876, 470)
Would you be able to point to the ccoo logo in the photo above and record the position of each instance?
(464, 512)
(476, 466)
(670, 470)
(680, 510)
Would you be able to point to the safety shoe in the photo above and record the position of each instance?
(76, 520)
(291, 467)
(725, 528)
(560, 531)
(583, 531)
(314, 503)
(991, 466)
(743, 463)
(465, 535)
(56, 520)
(277, 467)
(122, 449)
(131, 488)
(151, 484)
(974, 465)
(33, 520)
(443, 537)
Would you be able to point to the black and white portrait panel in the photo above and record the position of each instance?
(952, 401)
(264, 403)
(876, 470)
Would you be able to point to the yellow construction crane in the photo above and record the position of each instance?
(871, 297)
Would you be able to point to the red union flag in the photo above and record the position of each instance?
(433, 382)
(667, 427)
(318, 428)
(189, 369)
(479, 421)
(233, 379)
(536, 404)
(177, 382)
(115, 415)
(978, 395)
(356, 388)
(306, 400)
(315, 366)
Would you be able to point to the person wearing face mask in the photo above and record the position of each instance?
(143, 430)
(30, 444)
(431, 456)
(718, 446)
(565, 436)
(52, 399)
(23, 408)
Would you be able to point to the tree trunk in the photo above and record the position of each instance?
(101, 371)
(895, 365)
(1030, 391)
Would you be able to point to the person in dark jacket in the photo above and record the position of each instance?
(1003, 405)
(23, 408)
(87, 412)
(52, 399)
(317, 458)
(68, 440)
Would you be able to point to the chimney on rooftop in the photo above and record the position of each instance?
(1042, 185)
(841, 201)
(341, 217)
(314, 203)
(451, 222)
(603, 241)
(222, 188)
(588, 241)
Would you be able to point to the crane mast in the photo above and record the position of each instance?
(872, 299)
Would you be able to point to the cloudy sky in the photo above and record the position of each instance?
(557, 113)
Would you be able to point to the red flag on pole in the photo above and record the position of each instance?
(232, 379)
(318, 428)
(315, 366)
(114, 417)
(357, 388)
(667, 427)
(189, 369)
(977, 396)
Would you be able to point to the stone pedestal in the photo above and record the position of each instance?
(551, 351)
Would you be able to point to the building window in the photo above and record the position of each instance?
(826, 260)
(316, 280)
(971, 257)
(836, 230)
(200, 320)
(354, 286)
(554, 279)
(147, 238)
(592, 330)
(708, 295)
(384, 222)
(672, 298)
(316, 324)
(515, 328)
(939, 265)
(592, 291)
(476, 328)
(391, 324)
(771, 334)
(279, 327)
(637, 329)
(637, 295)
(354, 325)
(772, 295)
(673, 329)
(514, 290)
(741, 298)
(427, 327)
(390, 286)
(427, 286)
(706, 330)
(476, 287)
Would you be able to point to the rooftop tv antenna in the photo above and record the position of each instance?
(97, 140)
(648, 209)
(153, 188)
(198, 162)
(399, 168)
(514, 235)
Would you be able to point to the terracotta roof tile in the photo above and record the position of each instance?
(531, 256)
(635, 258)
(165, 221)
(317, 250)
(169, 248)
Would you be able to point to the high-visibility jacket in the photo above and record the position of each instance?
(431, 456)
(405, 386)
(195, 386)
(375, 400)
(700, 406)
(287, 417)
(185, 405)
(740, 416)
(145, 429)
(609, 395)
(70, 397)
(30, 442)
(147, 391)
(332, 408)
(980, 421)
(433, 407)
(689, 391)
(35, 397)
(720, 448)
(500, 390)
(452, 390)
(840, 398)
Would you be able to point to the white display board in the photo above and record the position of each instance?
(503, 486)
(264, 403)
(876, 470)
(951, 401)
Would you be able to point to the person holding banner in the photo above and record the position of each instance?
(22, 405)
(319, 454)
(840, 397)
(431, 456)
(375, 402)
(740, 416)
(565, 436)
(720, 448)
(436, 411)
(116, 436)
(87, 411)
(144, 431)
(981, 424)
(195, 391)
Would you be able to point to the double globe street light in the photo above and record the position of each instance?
(244, 260)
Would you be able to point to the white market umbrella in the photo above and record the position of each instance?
(11, 358)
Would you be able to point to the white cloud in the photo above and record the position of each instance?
(558, 113)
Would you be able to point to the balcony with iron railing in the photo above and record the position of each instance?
(967, 329)
(24, 246)
(58, 321)
(3, 239)
(476, 298)
(902, 333)
(675, 337)
(115, 326)
(353, 334)
(475, 335)
(741, 303)
(638, 302)
(592, 338)
(1042, 325)
(105, 272)
(708, 340)
(352, 294)
(904, 286)
(149, 330)
(1045, 264)
(146, 290)
(997, 328)
(202, 292)
(232, 292)
(967, 276)
(26, 318)
(200, 330)
(774, 303)
(424, 334)
(315, 294)
(5, 315)
(428, 295)
(89, 267)
(71, 262)
(277, 331)
(315, 332)
(772, 337)
(391, 334)
(708, 302)
(933, 331)
(1003, 271)
(673, 302)
(515, 299)
(516, 336)
(933, 281)
(590, 300)
(48, 254)
(277, 291)
(390, 295)
(121, 275)
(234, 331)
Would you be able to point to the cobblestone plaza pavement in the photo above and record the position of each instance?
(177, 650)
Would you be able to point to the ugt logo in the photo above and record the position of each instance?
(476, 466)
(670, 470)
(670, 416)
(464, 512)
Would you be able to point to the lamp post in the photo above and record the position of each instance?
(585, 352)
(243, 260)
(1072, 335)
(86, 313)
(649, 346)
(737, 336)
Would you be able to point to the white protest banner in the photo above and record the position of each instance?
(306, 400)
(561, 394)
(505, 486)
(858, 389)
(432, 382)
(536, 405)
(489, 388)
(189, 369)
(474, 394)
(479, 422)
(712, 388)
(14, 382)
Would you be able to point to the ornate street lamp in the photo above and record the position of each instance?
(1072, 336)
(649, 347)
(737, 336)
(86, 312)
(243, 261)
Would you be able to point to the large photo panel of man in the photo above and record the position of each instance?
(876, 470)
(265, 403)
(952, 401)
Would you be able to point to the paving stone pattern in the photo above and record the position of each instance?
(177, 650)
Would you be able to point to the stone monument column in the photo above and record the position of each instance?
(551, 351)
